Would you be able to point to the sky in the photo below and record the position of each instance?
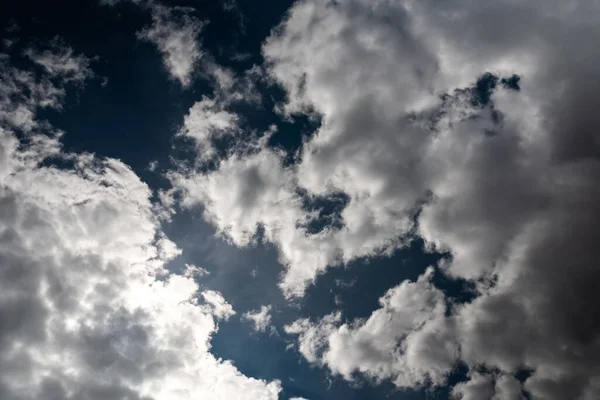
(311, 199)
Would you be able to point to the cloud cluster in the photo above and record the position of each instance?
(407, 340)
(87, 309)
(480, 116)
(482, 386)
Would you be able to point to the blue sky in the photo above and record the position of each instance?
(299, 200)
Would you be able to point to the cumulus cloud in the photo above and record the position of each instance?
(217, 304)
(260, 318)
(502, 168)
(482, 386)
(407, 340)
(313, 337)
(175, 32)
(251, 190)
(206, 121)
(341, 158)
(88, 310)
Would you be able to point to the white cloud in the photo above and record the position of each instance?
(59, 60)
(313, 337)
(175, 32)
(508, 189)
(488, 386)
(260, 318)
(206, 121)
(478, 387)
(88, 309)
(191, 270)
(22, 92)
(218, 305)
(407, 340)
(341, 157)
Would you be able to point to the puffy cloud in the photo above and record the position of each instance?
(482, 386)
(478, 387)
(260, 318)
(218, 305)
(408, 340)
(313, 337)
(206, 121)
(502, 169)
(248, 191)
(341, 158)
(175, 32)
(507, 388)
(88, 310)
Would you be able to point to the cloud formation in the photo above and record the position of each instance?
(206, 121)
(474, 120)
(482, 386)
(175, 31)
(261, 319)
(87, 309)
(59, 61)
(407, 340)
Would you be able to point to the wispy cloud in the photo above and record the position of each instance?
(175, 32)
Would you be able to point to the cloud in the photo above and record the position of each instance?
(340, 158)
(191, 270)
(22, 92)
(407, 340)
(482, 386)
(260, 318)
(175, 32)
(416, 114)
(217, 304)
(206, 121)
(59, 60)
(248, 191)
(88, 310)
(313, 337)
